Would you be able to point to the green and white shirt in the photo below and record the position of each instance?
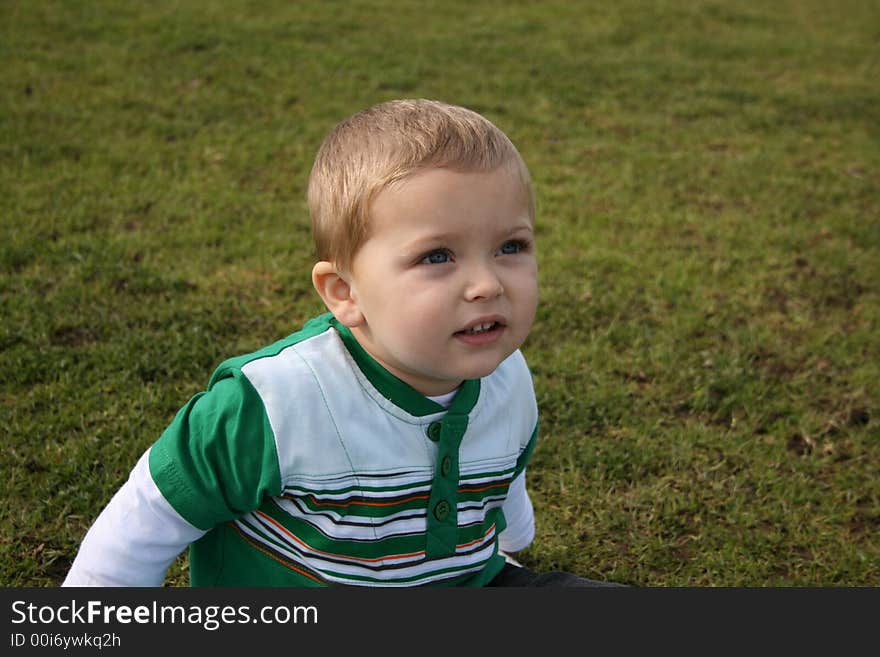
(308, 464)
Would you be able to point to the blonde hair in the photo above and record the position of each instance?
(387, 143)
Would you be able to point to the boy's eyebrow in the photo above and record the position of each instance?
(525, 224)
(433, 239)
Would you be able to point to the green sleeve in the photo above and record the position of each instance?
(217, 460)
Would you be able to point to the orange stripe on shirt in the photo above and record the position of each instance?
(300, 542)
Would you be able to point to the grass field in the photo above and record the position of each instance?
(707, 350)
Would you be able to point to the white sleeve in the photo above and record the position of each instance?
(520, 517)
(134, 539)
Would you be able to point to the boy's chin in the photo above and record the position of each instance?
(454, 376)
(479, 372)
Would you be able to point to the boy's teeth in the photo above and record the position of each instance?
(480, 328)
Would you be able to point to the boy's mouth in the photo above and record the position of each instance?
(480, 328)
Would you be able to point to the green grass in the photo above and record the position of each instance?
(707, 350)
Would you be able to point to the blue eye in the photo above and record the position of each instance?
(438, 257)
(512, 247)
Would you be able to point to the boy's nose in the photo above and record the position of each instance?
(483, 283)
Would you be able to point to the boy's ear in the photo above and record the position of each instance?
(333, 287)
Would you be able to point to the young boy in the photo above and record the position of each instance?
(385, 443)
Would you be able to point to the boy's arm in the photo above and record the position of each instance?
(134, 539)
(520, 517)
(214, 462)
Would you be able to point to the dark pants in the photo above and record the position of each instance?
(520, 576)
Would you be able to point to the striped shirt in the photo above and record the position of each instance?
(308, 464)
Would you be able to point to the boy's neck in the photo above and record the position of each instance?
(399, 392)
(445, 400)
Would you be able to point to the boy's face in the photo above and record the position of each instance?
(446, 282)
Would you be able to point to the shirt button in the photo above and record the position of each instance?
(434, 431)
(445, 466)
(441, 510)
